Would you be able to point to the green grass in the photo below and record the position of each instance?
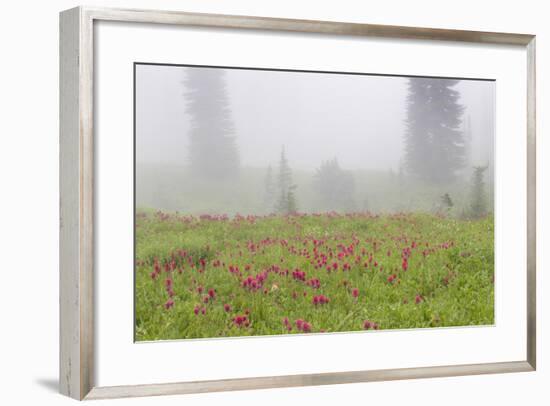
(449, 280)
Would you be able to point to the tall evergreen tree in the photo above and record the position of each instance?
(286, 202)
(434, 143)
(213, 153)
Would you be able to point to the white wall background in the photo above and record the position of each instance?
(29, 199)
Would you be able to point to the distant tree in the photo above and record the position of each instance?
(446, 201)
(213, 153)
(434, 144)
(286, 202)
(291, 203)
(269, 191)
(445, 204)
(478, 206)
(335, 187)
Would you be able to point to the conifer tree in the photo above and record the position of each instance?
(286, 203)
(213, 153)
(434, 142)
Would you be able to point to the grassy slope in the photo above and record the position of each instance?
(454, 278)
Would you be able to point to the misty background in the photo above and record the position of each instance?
(212, 140)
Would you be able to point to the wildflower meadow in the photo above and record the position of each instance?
(218, 276)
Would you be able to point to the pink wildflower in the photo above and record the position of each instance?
(169, 304)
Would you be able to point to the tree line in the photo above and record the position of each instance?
(334, 186)
(437, 145)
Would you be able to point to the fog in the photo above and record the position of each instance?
(359, 120)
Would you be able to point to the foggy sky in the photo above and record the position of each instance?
(358, 119)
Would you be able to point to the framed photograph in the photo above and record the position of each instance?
(252, 202)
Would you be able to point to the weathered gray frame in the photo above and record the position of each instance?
(77, 204)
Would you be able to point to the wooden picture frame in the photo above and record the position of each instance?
(77, 200)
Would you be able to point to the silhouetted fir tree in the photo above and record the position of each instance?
(446, 203)
(213, 153)
(286, 203)
(335, 187)
(434, 142)
(478, 206)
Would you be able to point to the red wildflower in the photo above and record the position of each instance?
(227, 307)
(314, 283)
(156, 266)
(169, 304)
(287, 324)
(320, 299)
(355, 292)
(367, 325)
(418, 299)
(299, 275)
(303, 325)
(240, 320)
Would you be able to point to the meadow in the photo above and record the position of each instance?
(218, 276)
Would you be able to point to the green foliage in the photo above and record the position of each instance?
(450, 267)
